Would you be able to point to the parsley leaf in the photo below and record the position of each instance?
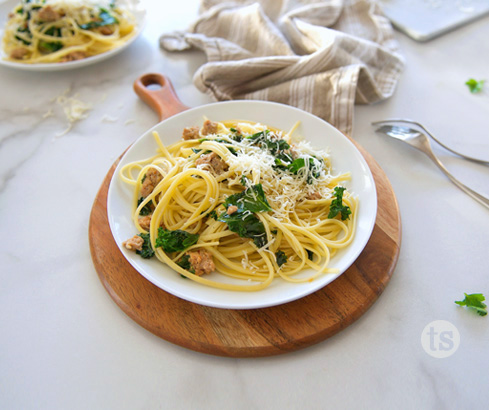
(337, 205)
(474, 85)
(175, 241)
(147, 251)
(474, 302)
(280, 257)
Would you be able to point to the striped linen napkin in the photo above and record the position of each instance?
(320, 56)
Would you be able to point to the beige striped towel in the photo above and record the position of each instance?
(320, 56)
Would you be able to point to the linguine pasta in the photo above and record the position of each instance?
(243, 200)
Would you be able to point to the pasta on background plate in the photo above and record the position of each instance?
(58, 31)
(243, 200)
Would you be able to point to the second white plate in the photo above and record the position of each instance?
(135, 7)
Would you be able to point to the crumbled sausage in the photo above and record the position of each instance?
(75, 55)
(212, 161)
(191, 133)
(201, 261)
(106, 30)
(145, 222)
(19, 53)
(209, 127)
(231, 209)
(314, 195)
(134, 244)
(48, 14)
(153, 178)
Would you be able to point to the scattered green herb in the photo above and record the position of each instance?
(474, 302)
(337, 205)
(175, 241)
(474, 85)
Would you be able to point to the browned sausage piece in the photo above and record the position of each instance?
(75, 55)
(201, 261)
(145, 222)
(212, 162)
(19, 53)
(48, 14)
(190, 133)
(153, 178)
(209, 127)
(134, 244)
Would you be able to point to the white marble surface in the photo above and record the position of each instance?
(64, 344)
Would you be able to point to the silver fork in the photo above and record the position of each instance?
(420, 141)
(406, 121)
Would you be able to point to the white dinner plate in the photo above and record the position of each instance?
(344, 156)
(133, 5)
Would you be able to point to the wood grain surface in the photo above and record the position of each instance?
(260, 332)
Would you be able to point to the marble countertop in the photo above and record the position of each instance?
(64, 343)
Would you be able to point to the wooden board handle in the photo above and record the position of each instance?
(157, 91)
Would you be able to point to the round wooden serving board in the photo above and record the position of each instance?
(246, 333)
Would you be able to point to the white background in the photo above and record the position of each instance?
(64, 344)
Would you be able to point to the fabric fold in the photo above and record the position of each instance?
(320, 56)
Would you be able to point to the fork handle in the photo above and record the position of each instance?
(475, 195)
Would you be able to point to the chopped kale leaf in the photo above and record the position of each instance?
(147, 251)
(146, 209)
(175, 241)
(281, 257)
(337, 205)
(243, 221)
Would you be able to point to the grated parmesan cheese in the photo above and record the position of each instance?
(283, 190)
(74, 109)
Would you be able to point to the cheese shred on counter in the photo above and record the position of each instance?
(242, 200)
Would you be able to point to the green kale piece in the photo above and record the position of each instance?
(243, 221)
(104, 19)
(280, 257)
(175, 241)
(146, 209)
(147, 251)
(337, 205)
